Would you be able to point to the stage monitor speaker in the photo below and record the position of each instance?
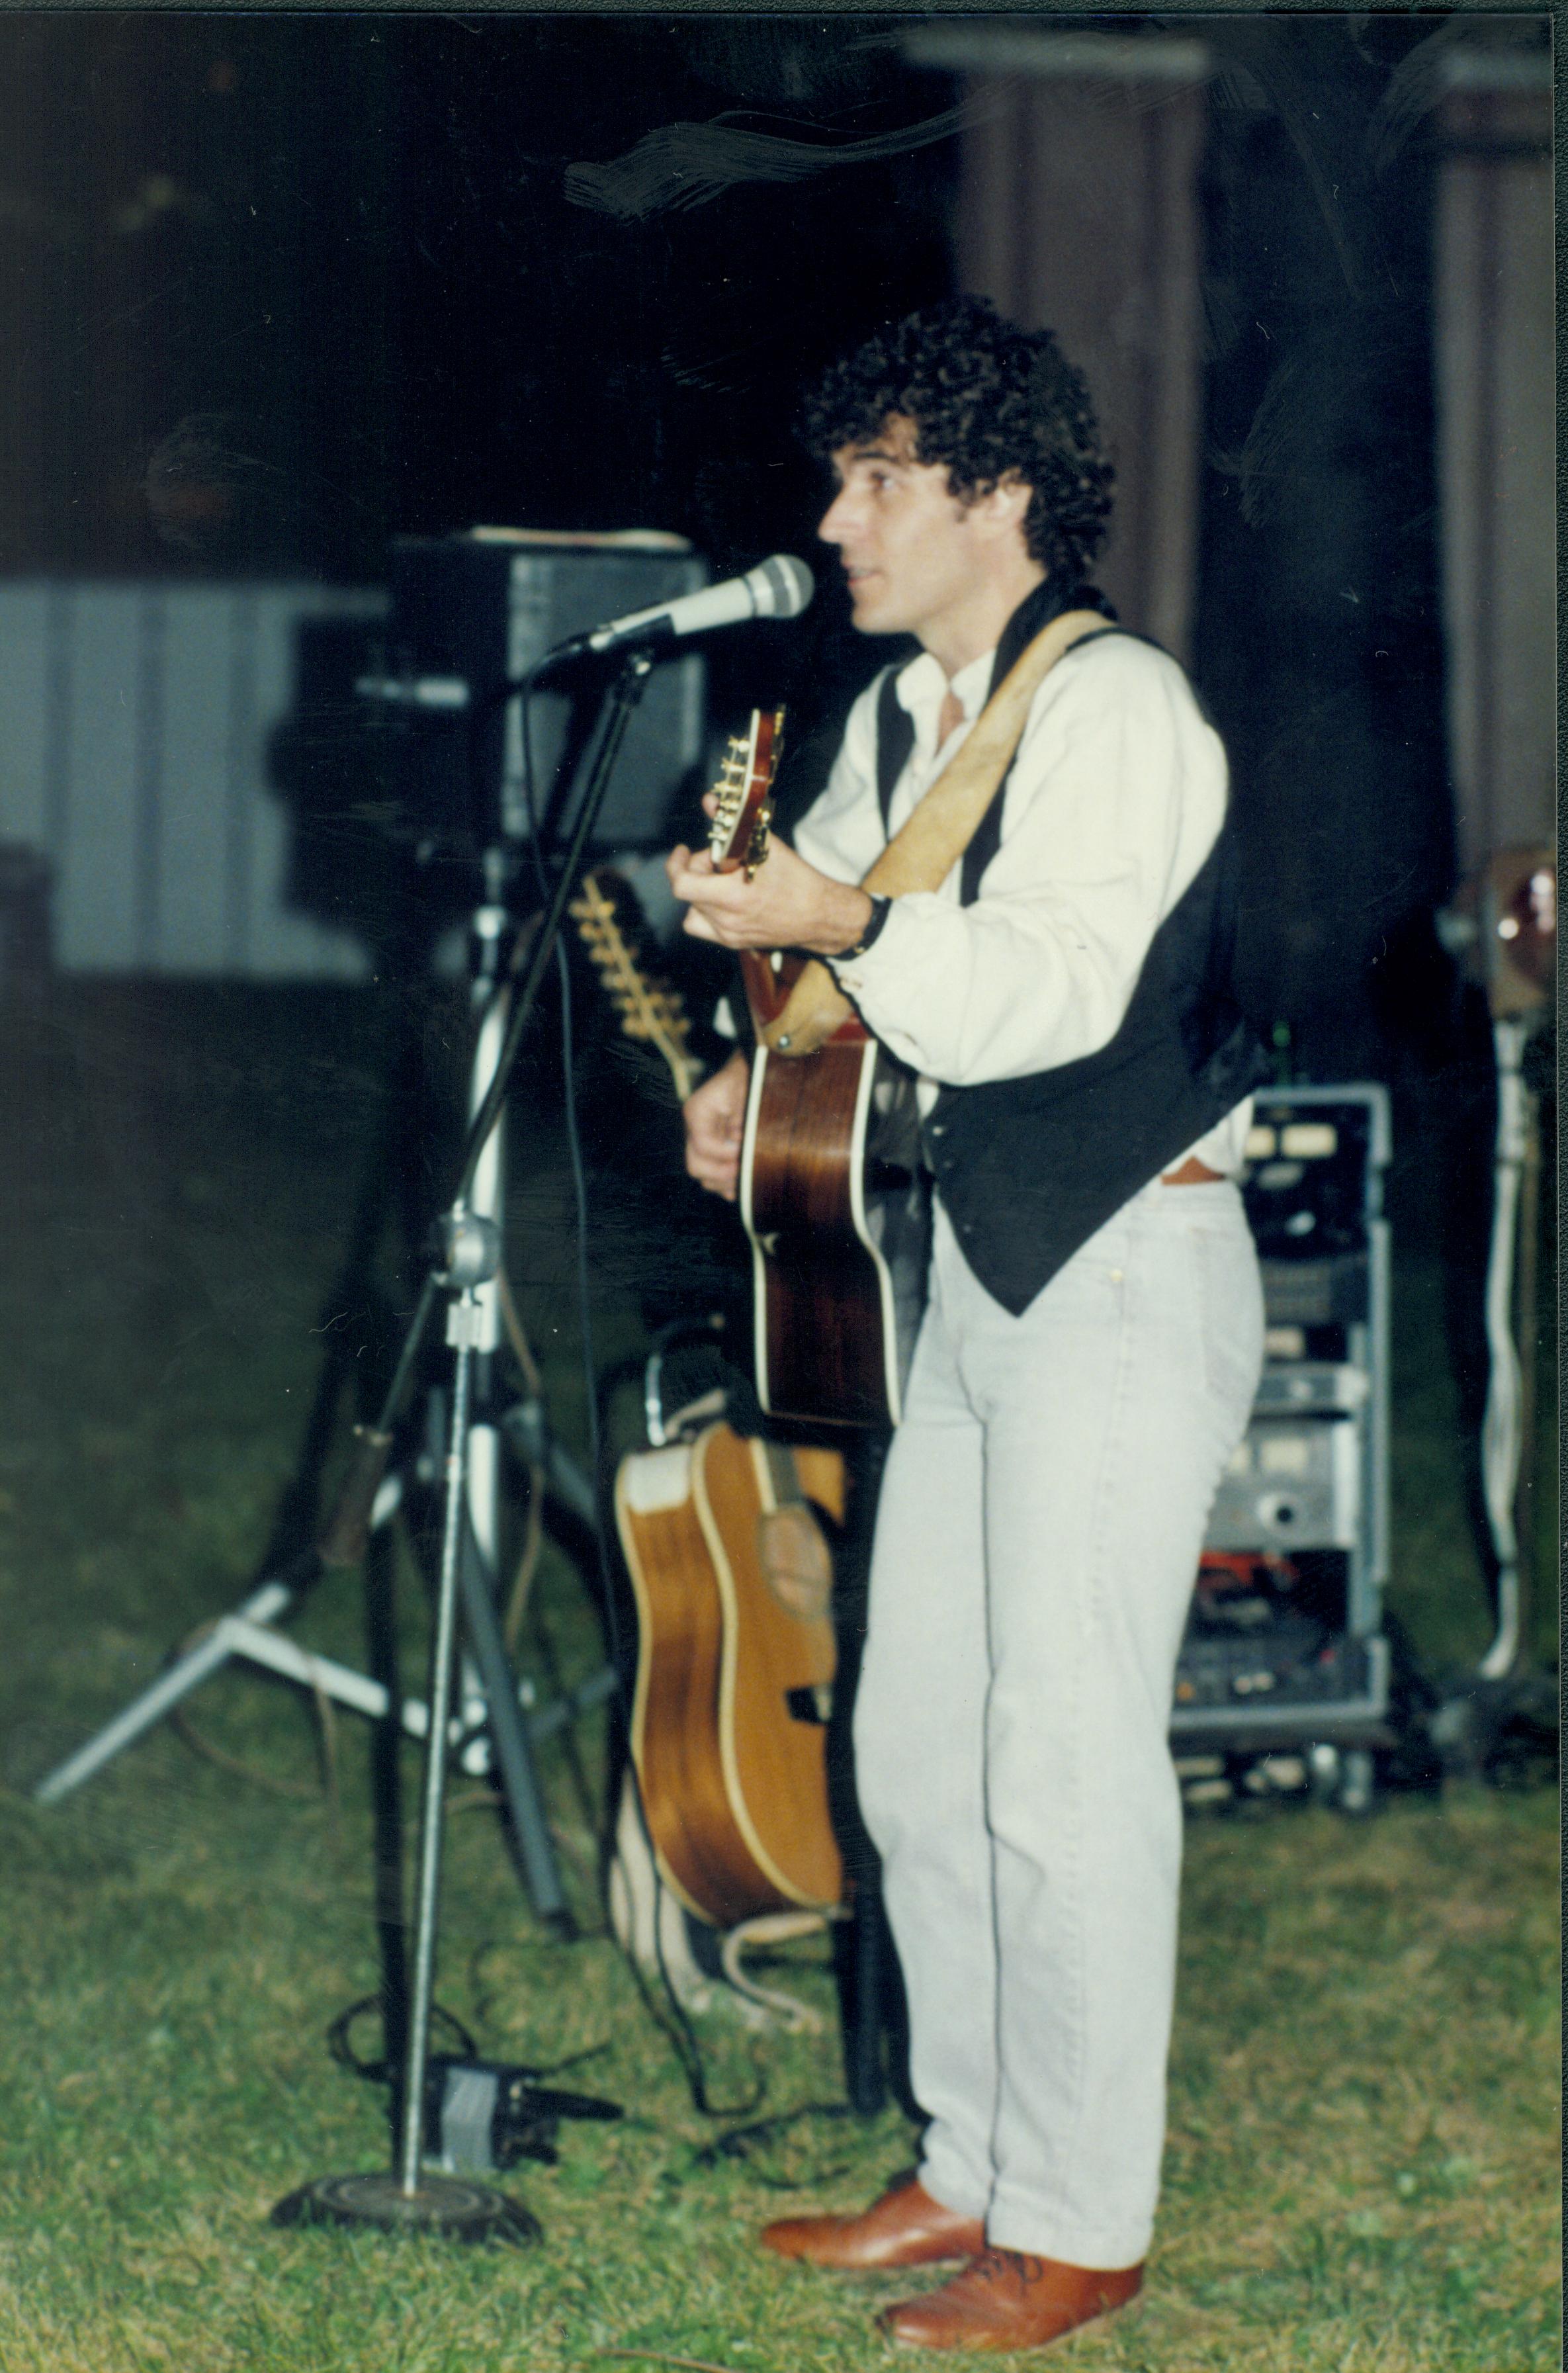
(470, 612)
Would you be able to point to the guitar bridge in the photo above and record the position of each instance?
(812, 1704)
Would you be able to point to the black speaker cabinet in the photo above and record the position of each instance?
(471, 612)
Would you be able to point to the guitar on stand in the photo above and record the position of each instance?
(735, 1669)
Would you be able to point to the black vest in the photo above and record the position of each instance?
(1030, 1168)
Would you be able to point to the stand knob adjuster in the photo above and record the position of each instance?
(468, 1248)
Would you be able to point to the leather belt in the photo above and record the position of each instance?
(1192, 1173)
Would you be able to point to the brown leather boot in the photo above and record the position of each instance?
(905, 2227)
(1006, 2299)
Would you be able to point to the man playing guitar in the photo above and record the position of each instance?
(1093, 1334)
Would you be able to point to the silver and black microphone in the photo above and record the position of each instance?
(780, 587)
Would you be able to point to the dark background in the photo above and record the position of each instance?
(281, 286)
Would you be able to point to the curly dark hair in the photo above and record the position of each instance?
(986, 398)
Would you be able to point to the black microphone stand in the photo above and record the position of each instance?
(466, 1253)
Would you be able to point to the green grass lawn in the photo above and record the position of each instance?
(1362, 2175)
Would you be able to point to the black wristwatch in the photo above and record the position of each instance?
(881, 909)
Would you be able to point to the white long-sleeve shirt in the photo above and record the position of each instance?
(1115, 800)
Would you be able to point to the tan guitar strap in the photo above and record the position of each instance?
(925, 848)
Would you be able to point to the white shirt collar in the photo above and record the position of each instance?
(922, 686)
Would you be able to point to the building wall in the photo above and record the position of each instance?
(1078, 211)
(1496, 443)
(135, 756)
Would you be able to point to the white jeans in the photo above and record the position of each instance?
(1042, 1513)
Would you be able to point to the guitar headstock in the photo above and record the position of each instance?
(743, 795)
(649, 1011)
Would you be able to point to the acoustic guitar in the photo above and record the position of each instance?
(735, 1667)
(831, 1192)
(834, 1201)
(831, 1189)
(732, 1580)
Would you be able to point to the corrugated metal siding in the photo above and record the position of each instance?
(134, 723)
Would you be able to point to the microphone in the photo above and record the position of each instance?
(778, 588)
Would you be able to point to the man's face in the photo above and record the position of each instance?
(915, 557)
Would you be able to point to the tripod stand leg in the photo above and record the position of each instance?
(509, 1743)
(186, 1674)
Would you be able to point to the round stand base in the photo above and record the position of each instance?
(444, 2206)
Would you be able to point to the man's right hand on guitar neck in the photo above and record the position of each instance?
(715, 1118)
